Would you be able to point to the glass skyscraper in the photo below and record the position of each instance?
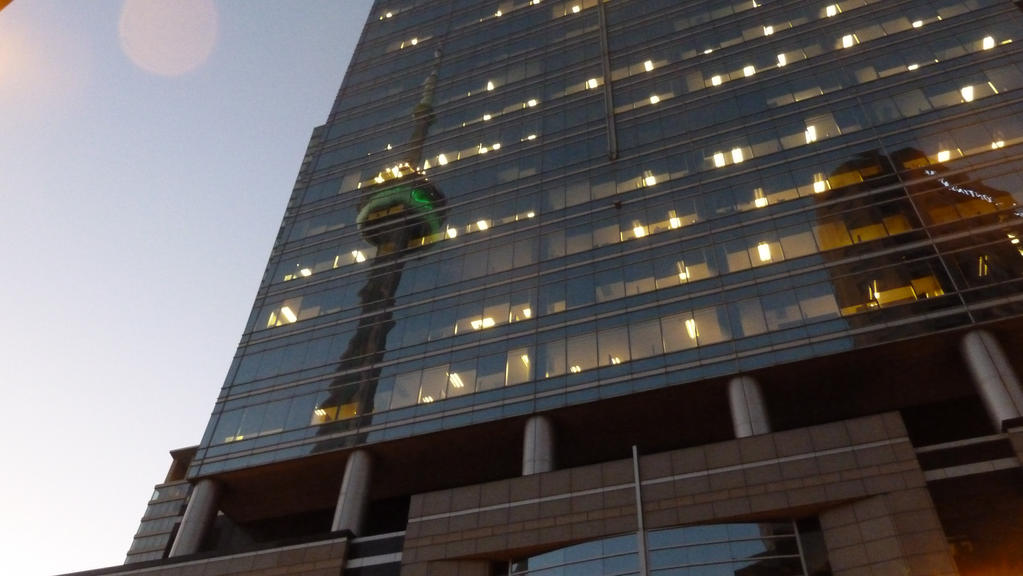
(636, 287)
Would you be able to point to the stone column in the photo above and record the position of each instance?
(353, 498)
(749, 415)
(538, 446)
(993, 376)
(198, 519)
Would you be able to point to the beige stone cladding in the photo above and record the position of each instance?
(322, 558)
(860, 477)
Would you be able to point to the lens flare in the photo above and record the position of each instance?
(168, 38)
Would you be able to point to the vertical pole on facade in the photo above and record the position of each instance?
(749, 414)
(198, 519)
(640, 528)
(993, 376)
(609, 101)
(353, 499)
(538, 446)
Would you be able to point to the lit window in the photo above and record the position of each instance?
(482, 224)
(768, 30)
(764, 251)
(481, 323)
(442, 159)
(811, 134)
(576, 9)
(288, 314)
(831, 10)
(649, 179)
(490, 85)
(715, 80)
(719, 159)
(456, 380)
(944, 156)
(655, 99)
(683, 272)
(638, 230)
(982, 266)
(987, 43)
(848, 40)
(592, 83)
(737, 155)
(820, 183)
(782, 60)
(758, 198)
(673, 220)
(525, 359)
(691, 329)
(648, 65)
(967, 92)
(534, 2)
(358, 255)
(749, 71)
(452, 232)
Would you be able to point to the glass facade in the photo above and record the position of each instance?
(520, 205)
(742, 549)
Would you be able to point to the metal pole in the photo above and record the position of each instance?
(640, 530)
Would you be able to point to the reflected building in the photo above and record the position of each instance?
(654, 287)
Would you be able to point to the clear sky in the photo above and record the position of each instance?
(147, 151)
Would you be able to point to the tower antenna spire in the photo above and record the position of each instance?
(423, 114)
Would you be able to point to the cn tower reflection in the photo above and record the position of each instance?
(393, 216)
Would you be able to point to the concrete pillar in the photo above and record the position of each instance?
(353, 499)
(993, 376)
(198, 519)
(749, 415)
(538, 446)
